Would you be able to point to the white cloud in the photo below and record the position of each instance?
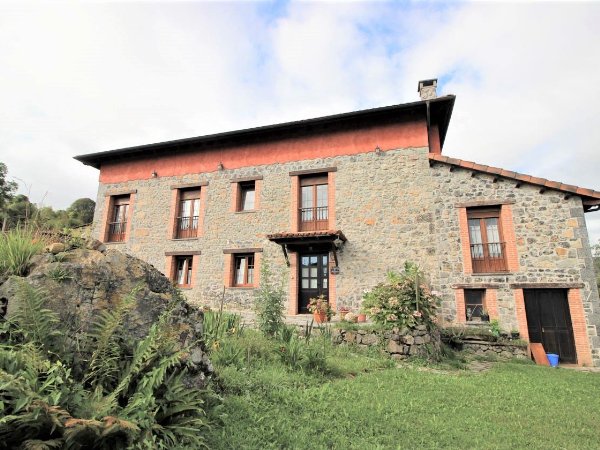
(83, 78)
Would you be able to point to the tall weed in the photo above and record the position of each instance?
(270, 300)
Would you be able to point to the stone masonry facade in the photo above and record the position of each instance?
(392, 206)
(550, 239)
(377, 202)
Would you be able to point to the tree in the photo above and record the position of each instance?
(81, 212)
(18, 210)
(7, 189)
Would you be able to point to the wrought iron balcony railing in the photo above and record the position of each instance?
(116, 231)
(187, 227)
(314, 219)
(489, 257)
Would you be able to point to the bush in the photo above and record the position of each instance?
(270, 301)
(17, 247)
(403, 301)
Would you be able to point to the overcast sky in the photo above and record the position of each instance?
(88, 77)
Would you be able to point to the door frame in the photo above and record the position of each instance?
(319, 254)
(578, 316)
(558, 336)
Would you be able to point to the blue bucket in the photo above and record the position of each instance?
(552, 359)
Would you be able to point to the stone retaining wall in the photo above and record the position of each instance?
(483, 346)
(398, 343)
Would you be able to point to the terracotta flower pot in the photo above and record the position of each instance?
(361, 317)
(320, 316)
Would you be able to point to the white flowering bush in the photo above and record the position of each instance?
(404, 300)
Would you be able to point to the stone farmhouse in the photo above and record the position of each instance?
(334, 202)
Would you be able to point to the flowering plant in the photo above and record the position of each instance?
(320, 305)
(404, 300)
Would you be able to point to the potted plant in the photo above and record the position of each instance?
(319, 307)
(361, 317)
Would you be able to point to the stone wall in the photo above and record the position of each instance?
(502, 350)
(551, 242)
(398, 343)
(378, 201)
(392, 206)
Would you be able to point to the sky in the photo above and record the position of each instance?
(83, 77)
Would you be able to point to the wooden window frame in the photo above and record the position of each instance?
(116, 202)
(242, 187)
(315, 224)
(188, 268)
(487, 264)
(245, 259)
(183, 195)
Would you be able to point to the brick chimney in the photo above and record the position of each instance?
(427, 89)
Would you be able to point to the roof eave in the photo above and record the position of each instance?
(96, 159)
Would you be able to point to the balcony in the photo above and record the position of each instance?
(187, 227)
(116, 231)
(314, 219)
(489, 257)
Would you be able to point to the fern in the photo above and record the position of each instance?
(103, 366)
(46, 405)
(39, 325)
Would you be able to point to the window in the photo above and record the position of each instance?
(485, 239)
(188, 214)
(243, 273)
(117, 224)
(314, 199)
(183, 271)
(475, 307)
(247, 193)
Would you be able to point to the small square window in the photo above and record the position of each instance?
(247, 191)
(475, 305)
(182, 275)
(243, 273)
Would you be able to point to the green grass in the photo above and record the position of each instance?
(360, 402)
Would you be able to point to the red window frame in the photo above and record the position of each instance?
(488, 255)
(186, 226)
(183, 270)
(243, 270)
(244, 188)
(119, 216)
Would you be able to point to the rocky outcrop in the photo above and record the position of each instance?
(81, 282)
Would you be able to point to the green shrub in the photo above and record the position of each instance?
(270, 301)
(17, 247)
(403, 301)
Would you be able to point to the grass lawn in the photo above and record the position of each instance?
(361, 402)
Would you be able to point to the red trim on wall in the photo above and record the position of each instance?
(582, 343)
(463, 225)
(347, 142)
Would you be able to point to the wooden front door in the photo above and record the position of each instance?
(549, 322)
(313, 278)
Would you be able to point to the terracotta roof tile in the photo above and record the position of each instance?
(543, 182)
